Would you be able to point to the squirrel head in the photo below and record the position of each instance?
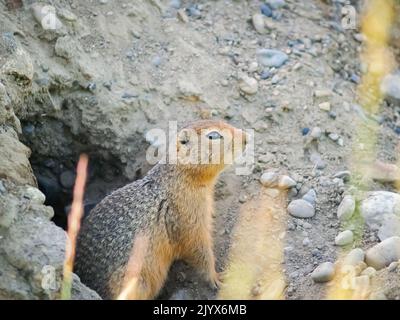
(208, 146)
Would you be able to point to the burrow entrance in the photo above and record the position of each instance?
(55, 167)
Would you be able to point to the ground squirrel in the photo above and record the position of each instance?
(140, 229)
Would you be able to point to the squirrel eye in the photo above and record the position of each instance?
(184, 141)
(214, 135)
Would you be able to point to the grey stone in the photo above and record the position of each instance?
(275, 4)
(324, 272)
(310, 196)
(248, 85)
(258, 23)
(345, 175)
(384, 253)
(269, 178)
(301, 209)
(344, 238)
(271, 57)
(346, 208)
(378, 206)
(391, 86)
(390, 227)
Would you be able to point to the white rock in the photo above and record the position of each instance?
(301, 209)
(326, 106)
(248, 85)
(378, 206)
(46, 16)
(322, 93)
(316, 133)
(344, 238)
(324, 272)
(384, 253)
(390, 86)
(390, 227)
(253, 67)
(346, 208)
(333, 136)
(258, 23)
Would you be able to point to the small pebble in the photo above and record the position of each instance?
(333, 136)
(248, 85)
(322, 93)
(355, 78)
(305, 131)
(271, 57)
(266, 10)
(332, 114)
(344, 175)
(346, 208)
(265, 74)
(310, 197)
(344, 238)
(258, 23)
(301, 209)
(269, 178)
(324, 272)
(326, 106)
(316, 133)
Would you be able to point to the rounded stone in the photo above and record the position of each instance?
(344, 238)
(258, 22)
(346, 208)
(384, 253)
(310, 196)
(301, 209)
(248, 85)
(324, 272)
(271, 57)
(269, 178)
